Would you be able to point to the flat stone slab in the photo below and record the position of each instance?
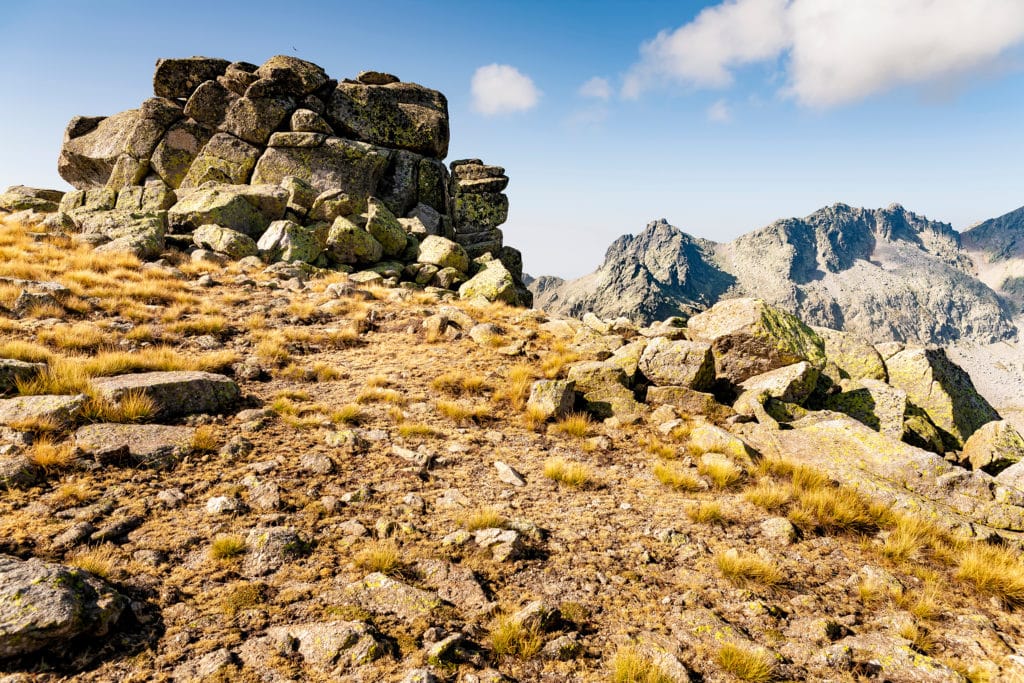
(174, 393)
(52, 408)
(44, 604)
(108, 442)
(380, 594)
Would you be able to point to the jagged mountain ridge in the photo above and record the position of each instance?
(996, 247)
(886, 274)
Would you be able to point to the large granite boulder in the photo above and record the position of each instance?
(51, 409)
(178, 78)
(288, 241)
(174, 392)
(443, 253)
(223, 159)
(224, 240)
(45, 605)
(399, 115)
(144, 444)
(894, 473)
(994, 447)
(678, 363)
(291, 75)
(854, 357)
(347, 243)
(493, 283)
(748, 337)
(333, 163)
(248, 209)
(943, 390)
(177, 149)
(88, 158)
(385, 228)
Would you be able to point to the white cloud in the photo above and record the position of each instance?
(597, 87)
(502, 89)
(836, 51)
(702, 52)
(720, 112)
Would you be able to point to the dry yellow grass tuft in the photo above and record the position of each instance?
(576, 425)
(769, 495)
(77, 337)
(227, 546)
(378, 395)
(510, 638)
(630, 665)
(134, 406)
(484, 518)
(51, 456)
(993, 570)
(575, 474)
(722, 473)
(747, 663)
(99, 561)
(515, 388)
(744, 569)
(205, 439)
(677, 476)
(832, 510)
(709, 512)
(350, 413)
(460, 412)
(380, 556)
(458, 383)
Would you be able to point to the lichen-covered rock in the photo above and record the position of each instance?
(330, 646)
(551, 398)
(385, 228)
(209, 103)
(994, 447)
(443, 253)
(688, 400)
(855, 357)
(874, 403)
(893, 473)
(347, 243)
(178, 78)
(268, 548)
(791, 383)
(248, 209)
(87, 160)
(355, 168)
(225, 241)
(678, 363)
(400, 115)
(748, 337)
(493, 283)
(174, 392)
(381, 594)
(289, 241)
(56, 410)
(943, 390)
(45, 605)
(223, 159)
(254, 119)
(604, 391)
(177, 149)
(293, 76)
(306, 121)
(143, 444)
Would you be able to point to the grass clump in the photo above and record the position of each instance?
(677, 477)
(630, 665)
(769, 495)
(227, 546)
(50, 456)
(204, 439)
(484, 518)
(746, 663)
(381, 556)
(133, 406)
(515, 388)
(458, 383)
(376, 394)
(350, 413)
(510, 638)
(993, 570)
(909, 536)
(99, 561)
(408, 430)
(460, 412)
(722, 473)
(744, 569)
(574, 474)
(576, 425)
(832, 510)
(709, 512)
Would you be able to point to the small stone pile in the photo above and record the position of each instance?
(282, 162)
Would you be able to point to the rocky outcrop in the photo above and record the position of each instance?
(45, 605)
(996, 248)
(882, 274)
(240, 147)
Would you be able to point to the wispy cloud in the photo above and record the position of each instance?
(720, 112)
(502, 89)
(597, 88)
(835, 51)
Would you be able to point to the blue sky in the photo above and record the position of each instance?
(742, 112)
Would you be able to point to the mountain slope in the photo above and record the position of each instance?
(887, 274)
(996, 247)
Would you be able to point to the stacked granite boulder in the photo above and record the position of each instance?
(282, 161)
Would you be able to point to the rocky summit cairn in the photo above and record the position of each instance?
(283, 162)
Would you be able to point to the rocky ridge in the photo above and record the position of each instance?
(885, 275)
(281, 162)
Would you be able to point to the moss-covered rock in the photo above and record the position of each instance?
(347, 243)
(943, 390)
(749, 337)
(385, 228)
